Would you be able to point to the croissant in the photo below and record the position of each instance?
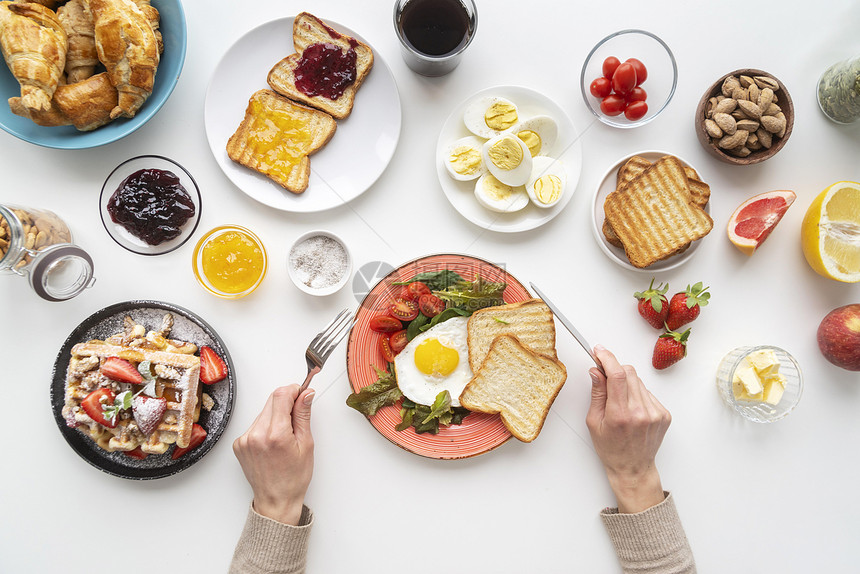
(154, 18)
(86, 104)
(81, 58)
(33, 43)
(127, 46)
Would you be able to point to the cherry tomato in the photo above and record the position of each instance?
(431, 305)
(613, 105)
(386, 350)
(397, 341)
(636, 111)
(609, 66)
(641, 70)
(385, 324)
(624, 78)
(601, 87)
(403, 310)
(414, 290)
(636, 95)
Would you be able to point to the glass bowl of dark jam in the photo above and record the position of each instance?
(661, 78)
(150, 205)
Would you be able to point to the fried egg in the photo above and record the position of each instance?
(489, 116)
(547, 181)
(539, 133)
(463, 159)
(499, 197)
(508, 158)
(434, 361)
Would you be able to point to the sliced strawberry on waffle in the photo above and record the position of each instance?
(121, 370)
(95, 405)
(212, 367)
(198, 434)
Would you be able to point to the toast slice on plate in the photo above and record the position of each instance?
(518, 384)
(318, 73)
(276, 137)
(530, 321)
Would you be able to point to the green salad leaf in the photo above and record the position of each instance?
(435, 280)
(448, 313)
(473, 295)
(425, 418)
(380, 394)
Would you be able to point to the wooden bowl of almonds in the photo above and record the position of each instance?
(745, 117)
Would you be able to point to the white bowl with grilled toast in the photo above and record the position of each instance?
(691, 222)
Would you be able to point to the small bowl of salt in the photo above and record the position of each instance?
(319, 263)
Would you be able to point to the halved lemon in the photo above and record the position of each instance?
(830, 233)
(755, 218)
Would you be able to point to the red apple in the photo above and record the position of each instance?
(839, 337)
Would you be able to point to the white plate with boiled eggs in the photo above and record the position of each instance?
(508, 159)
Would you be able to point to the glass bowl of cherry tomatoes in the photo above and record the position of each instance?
(628, 78)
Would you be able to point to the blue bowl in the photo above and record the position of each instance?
(68, 137)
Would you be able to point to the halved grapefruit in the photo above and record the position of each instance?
(830, 232)
(755, 218)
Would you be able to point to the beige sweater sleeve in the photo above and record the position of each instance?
(652, 541)
(268, 546)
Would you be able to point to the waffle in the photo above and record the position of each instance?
(176, 372)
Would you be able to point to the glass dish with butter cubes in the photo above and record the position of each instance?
(761, 383)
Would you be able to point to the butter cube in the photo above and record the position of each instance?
(774, 387)
(748, 377)
(764, 362)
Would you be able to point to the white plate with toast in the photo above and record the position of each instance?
(346, 167)
(567, 149)
(607, 185)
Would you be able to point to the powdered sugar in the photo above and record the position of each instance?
(319, 261)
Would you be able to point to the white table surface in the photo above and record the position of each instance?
(753, 498)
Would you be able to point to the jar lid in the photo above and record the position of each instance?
(60, 272)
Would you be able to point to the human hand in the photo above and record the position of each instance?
(627, 424)
(277, 454)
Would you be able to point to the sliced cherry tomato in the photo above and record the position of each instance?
(601, 87)
(397, 341)
(636, 111)
(385, 324)
(624, 78)
(403, 310)
(636, 95)
(385, 348)
(414, 290)
(613, 105)
(641, 70)
(609, 66)
(431, 305)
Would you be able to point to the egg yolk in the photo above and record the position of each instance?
(434, 358)
(495, 189)
(465, 160)
(506, 153)
(548, 188)
(500, 116)
(532, 141)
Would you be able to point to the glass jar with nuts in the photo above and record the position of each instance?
(37, 244)
(839, 91)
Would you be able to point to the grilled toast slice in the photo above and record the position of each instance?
(517, 383)
(530, 321)
(653, 215)
(308, 30)
(276, 137)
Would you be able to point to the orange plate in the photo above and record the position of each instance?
(479, 432)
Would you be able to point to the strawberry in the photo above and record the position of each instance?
(653, 305)
(670, 348)
(95, 403)
(198, 433)
(136, 453)
(121, 370)
(148, 412)
(685, 307)
(212, 367)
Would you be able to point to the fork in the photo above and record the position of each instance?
(324, 343)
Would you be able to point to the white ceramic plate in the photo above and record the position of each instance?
(567, 149)
(616, 254)
(348, 165)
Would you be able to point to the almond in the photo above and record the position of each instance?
(726, 106)
(726, 123)
(713, 129)
(764, 99)
(766, 82)
(764, 138)
(746, 81)
(773, 124)
(729, 84)
(736, 140)
(748, 125)
(750, 109)
(740, 152)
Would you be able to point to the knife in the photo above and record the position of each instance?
(569, 326)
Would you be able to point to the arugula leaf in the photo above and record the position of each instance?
(425, 418)
(448, 313)
(441, 407)
(435, 280)
(473, 295)
(380, 394)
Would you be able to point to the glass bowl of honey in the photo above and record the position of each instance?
(230, 261)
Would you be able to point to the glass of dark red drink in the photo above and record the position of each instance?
(434, 33)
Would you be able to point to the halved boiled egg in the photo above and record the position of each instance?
(499, 197)
(489, 116)
(463, 159)
(508, 158)
(539, 134)
(546, 184)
